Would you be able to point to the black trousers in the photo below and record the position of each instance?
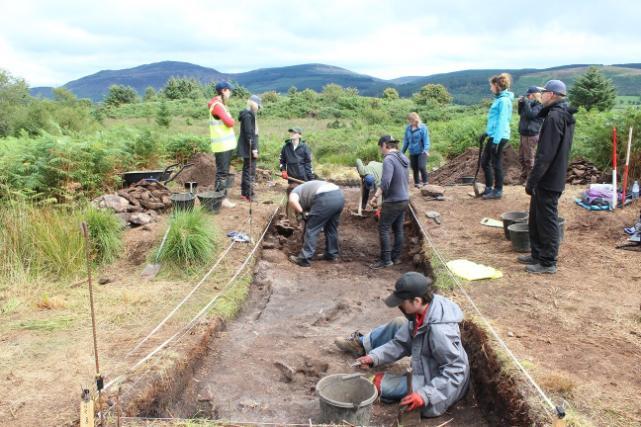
(418, 162)
(492, 163)
(544, 226)
(223, 160)
(324, 215)
(249, 176)
(392, 216)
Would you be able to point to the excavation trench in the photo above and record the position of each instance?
(263, 366)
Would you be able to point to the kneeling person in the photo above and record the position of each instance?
(320, 204)
(430, 335)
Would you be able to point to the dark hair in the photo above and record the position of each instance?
(503, 81)
(428, 296)
(390, 144)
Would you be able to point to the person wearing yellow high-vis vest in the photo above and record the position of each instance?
(223, 139)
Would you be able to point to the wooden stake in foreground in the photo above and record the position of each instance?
(625, 168)
(614, 169)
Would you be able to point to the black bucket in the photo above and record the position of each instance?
(510, 218)
(520, 236)
(229, 183)
(182, 201)
(561, 223)
(211, 200)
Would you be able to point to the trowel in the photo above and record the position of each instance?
(408, 418)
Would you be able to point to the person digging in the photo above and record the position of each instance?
(428, 333)
(370, 175)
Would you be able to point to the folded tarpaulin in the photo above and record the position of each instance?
(239, 237)
(605, 207)
(469, 270)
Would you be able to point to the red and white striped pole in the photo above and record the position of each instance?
(614, 169)
(625, 169)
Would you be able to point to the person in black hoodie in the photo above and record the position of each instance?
(529, 127)
(296, 157)
(547, 179)
(248, 146)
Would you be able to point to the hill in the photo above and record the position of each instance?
(466, 86)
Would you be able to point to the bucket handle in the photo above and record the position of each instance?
(355, 405)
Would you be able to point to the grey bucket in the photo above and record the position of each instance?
(345, 397)
(211, 200)
(520, 236)
(510, 218)
(229, 183)
(182, 201)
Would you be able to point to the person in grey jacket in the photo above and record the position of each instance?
(394, 188)
(428, 333)
(529, 128)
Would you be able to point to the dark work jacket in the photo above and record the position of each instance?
(553, 150)
(530, 122)
(247, 138)
(297, 163)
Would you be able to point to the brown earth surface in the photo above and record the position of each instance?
(579, 331)
(465, 165)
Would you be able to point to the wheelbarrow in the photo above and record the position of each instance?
(164, 175)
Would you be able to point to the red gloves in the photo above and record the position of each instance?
(284, 175)
(365, 361)
(377, 214)
(412, 401)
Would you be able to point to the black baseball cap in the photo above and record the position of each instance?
(387, 139)
(409, 285)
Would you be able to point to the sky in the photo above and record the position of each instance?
(49, 43)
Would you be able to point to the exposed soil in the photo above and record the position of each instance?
(266, 364)
(465, 165)
(579, 331)
(203, 171)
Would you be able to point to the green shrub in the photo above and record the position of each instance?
(181, 148)
(191, 240)
(105, 230)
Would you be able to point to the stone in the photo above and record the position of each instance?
(432, 190)
(104, 280)
(268, 244)
(139, 218)
(112, 201)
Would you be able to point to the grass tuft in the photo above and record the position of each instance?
(105, 229)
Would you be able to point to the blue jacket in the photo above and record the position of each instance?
(417, 141)
(499, 116)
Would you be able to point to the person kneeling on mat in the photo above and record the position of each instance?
(428, 333)
(319, 204)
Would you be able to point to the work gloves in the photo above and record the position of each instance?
(412, 401)
(365, 361)
(284, 175)
(377, 214)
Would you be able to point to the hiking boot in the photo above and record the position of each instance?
(540, 269)
(396, 261)
(527, 259)
(300, 261)
(227, 204)
(494, 194)
(486, 192)
(330, 258)
(351, 344)
(381, 264)
(417, 185)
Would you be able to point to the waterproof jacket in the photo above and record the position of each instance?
(553, 150)
(298, 162)
(417, 140)
(440, 367)
(372, 168)
(394, 181)
(247, 138)
(530, 122)
(499, 116)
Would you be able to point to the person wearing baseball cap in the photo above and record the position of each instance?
(547, 179)
(222, 137)
(530, 123)
(428, 333)
(296, 157)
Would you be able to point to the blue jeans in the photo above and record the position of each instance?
(393, 386)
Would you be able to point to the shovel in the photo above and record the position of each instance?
(477, 186)
(151, 270)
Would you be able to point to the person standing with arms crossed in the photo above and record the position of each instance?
(223, 139)
(248, 146)
(396, 198)
(417, 139)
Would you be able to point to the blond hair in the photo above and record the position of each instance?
(503, 81)
(414, 116)
(251, 105)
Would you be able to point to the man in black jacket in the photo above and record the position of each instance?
(248, 146)
(547, 179)
(296, 157)
(529, 127)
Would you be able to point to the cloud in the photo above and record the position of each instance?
(54, 42)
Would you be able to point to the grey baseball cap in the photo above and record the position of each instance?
(556, 86)
(256, 99)
(409, 285)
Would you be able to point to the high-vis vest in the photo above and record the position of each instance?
(222, 137)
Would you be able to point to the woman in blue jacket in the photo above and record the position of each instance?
(417, 139)
(497, 134)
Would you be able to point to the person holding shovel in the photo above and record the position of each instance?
(248, 146)
(429, 333)
(371, 175)
(296, 157)
(223, 140)
(497, 133)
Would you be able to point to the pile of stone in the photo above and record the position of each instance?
(138, 204)
(581, 171)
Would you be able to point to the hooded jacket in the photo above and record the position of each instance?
(529, 121)
(247, 138)
(394, 180)
(297, 162)
(499, 116)
(417, 140)
(441, 370)
(553, 150)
